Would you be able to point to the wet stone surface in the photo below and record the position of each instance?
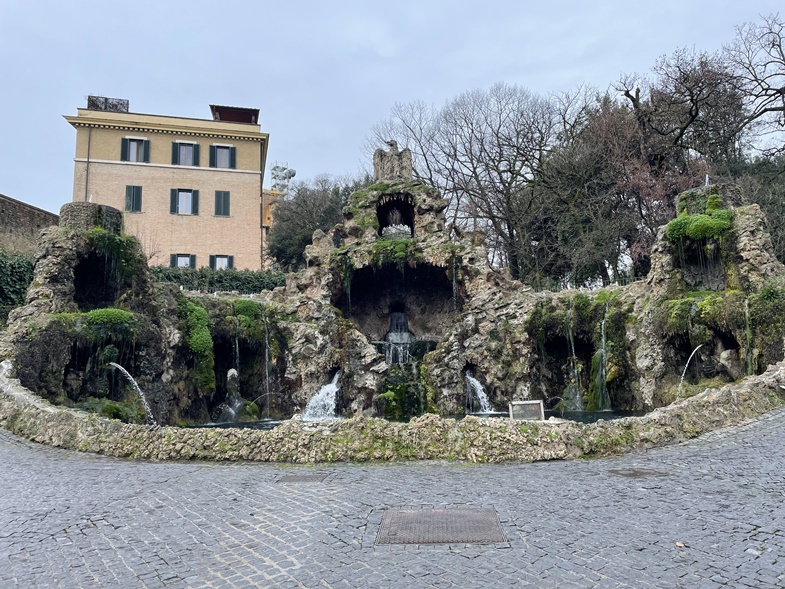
(713, 516)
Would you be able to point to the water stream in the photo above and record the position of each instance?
(236, 343)
(477, 391)
(749, 357)
(574, 395)
(601, 387)
(150, 418)
(454, 285)
(322, 405)
(266, 364)
(397, 343)
(678, 391)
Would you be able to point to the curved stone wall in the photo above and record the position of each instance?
(425, 438)
(86, 215)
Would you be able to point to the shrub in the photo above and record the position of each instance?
(247, 308)
(16, 274)
(110, 321)
(699, 226)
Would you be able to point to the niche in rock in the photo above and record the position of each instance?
(88, 374)
(395, 213)
(378, 297)
(95, 282)
(701, 263)
(561, 369)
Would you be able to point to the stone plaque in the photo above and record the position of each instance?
(440, 526)
(528, 410)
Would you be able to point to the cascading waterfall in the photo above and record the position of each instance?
(322, 405)
(574, 395)
(150, 418)
(454, 285)
(601, 387)
(398, 340)
(236, 343)
(477, 391)
(266, 393)
(266, 364)
(749, 356)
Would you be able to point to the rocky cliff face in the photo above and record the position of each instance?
(620, 347)
(404, 307)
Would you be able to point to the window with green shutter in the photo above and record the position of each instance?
(182, 261)
(221, 262)
(134, 150)
(133, 199)
(184, 201)
(222, 203)
(223, 156)
(185, 154)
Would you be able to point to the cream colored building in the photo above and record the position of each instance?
(191, 189)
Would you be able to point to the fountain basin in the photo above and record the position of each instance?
(592, 416)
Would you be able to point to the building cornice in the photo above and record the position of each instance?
(167, 129)
(156, 165)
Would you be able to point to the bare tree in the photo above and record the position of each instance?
(691, 107)
(757, 57)
(482, 150)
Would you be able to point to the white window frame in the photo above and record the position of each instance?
(222, 156)
(185, 202)
(187, 149)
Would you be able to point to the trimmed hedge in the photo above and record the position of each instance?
(207, 279)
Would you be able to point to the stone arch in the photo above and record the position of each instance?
(395, 213)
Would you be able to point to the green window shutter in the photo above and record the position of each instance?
(138, 199)
(212, 156)
(232, 157)
(212, 262)
(123, 150)
(221, 203)
(129, 198)
(146, 151)
(196, 154)
(194, 202)
(192, 261)
(175, 153)
(230, 262)
(173, 201)
(173, 260)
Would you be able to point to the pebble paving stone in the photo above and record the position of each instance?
(708, 513)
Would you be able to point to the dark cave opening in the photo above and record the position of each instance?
(395, 213)
(95, 283)
(424, 293)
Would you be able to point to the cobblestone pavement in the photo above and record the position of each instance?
(706, 513)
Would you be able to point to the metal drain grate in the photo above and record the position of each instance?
(302, 478)
(440, 526)
(636, 473)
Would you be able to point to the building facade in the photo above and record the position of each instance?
(190, 189)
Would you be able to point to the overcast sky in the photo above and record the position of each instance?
(321, 73)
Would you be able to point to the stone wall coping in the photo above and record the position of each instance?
(428, 437)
